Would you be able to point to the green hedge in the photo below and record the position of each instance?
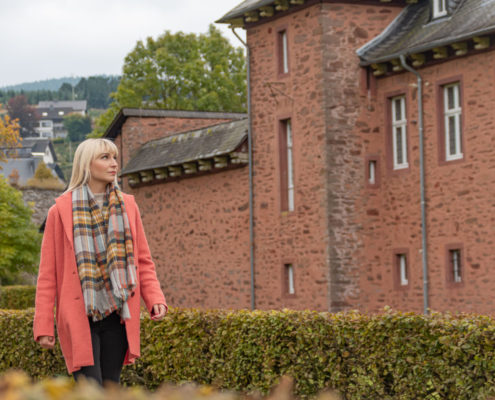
(389, 356)
(17, 297)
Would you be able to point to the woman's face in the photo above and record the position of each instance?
(104, 168)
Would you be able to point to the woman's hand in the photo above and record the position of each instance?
(47, 342)
(158, 312)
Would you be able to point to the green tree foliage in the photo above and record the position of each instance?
(181, 71)
(20, 240)
(96, 90)
(77, 126)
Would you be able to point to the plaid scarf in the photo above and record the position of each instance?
(104, 252)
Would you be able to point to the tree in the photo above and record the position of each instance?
(9, 135)
(20, 240)
(77, 126)
(44, 179)
(181, 72)
(18, 108)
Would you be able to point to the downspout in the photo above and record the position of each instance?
(250, 163)
(422, 181)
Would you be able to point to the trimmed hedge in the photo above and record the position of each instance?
(17, 297)
(390, 356)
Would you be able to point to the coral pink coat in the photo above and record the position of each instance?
(58, 280)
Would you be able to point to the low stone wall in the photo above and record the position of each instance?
(40, 200)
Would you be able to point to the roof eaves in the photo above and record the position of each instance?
(240, 10)
(128, 171)
(429, 46)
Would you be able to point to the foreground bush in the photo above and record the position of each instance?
(17, 297)
(390, 356)
(16, 385)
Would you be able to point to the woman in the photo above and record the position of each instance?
(95, 263)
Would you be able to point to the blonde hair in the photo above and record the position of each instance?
(85, 153)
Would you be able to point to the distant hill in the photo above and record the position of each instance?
(48, 84)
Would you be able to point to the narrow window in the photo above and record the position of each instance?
(452, 122)
(399, 132)
(289, 275)
(372, 172)
(455, 265)
(439, 8)
(402, 266)
(286, 166)
(283, 52)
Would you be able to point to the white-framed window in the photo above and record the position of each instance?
(289, 273)
(402, 265)
(399, 132)
(452, 122)
(284, 52)
(372, 172)
(290, 171)
(455, 265)
(439, 8)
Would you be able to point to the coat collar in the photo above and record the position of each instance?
(64, 206)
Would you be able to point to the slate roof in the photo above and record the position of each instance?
(189, 146)
(52, 113)
(75, 105)
(24, 166)
(39, 145)
(413, 31)
(113, 129)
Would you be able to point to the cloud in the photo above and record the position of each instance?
(55, 38)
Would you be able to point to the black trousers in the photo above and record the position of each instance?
(109, 341)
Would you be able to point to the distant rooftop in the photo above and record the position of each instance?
(76, 105)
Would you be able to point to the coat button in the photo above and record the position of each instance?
(76, 298)
(132, 294)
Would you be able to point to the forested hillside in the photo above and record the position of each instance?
(95, 89)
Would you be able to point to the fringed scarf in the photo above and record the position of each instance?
(104, 252)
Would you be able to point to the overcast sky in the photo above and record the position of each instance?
(56, 38)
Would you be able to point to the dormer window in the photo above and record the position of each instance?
(439, 8)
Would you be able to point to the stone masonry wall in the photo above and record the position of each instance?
(197, 227)
(459, 194)
(298, 237)
(345, 28)
(321, 96)
(41, 200)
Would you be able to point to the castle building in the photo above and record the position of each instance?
(373, 164)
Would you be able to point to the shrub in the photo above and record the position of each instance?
(17, 297)
(19, 238)
(389, 356)
(16, 385)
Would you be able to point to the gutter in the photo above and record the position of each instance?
(250, 163)
(422, 183)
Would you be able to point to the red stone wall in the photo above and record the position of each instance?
(321, 96)
(459, 195)
(197, 228)
(346, 27)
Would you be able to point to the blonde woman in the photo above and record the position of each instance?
(95, 265)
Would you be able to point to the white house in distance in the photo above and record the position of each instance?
(25, 159)
(52, 113)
